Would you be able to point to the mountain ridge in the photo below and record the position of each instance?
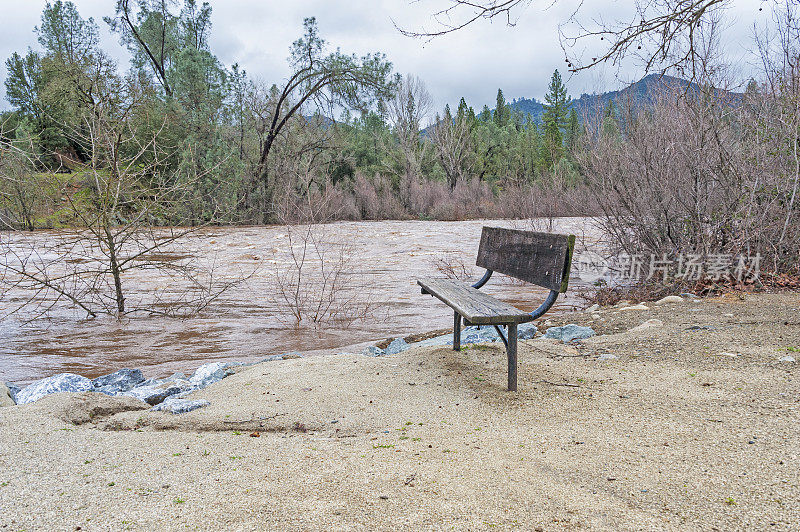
(641, 91)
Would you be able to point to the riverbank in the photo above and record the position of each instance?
(682, 415)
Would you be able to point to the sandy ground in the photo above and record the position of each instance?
(674, 434)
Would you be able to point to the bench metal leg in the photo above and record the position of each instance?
(512, 357)
(457, 332)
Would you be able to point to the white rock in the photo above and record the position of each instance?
(727, 315)
(209, 374)
(398, 345)
(63, 382)
(607, 356)
(787, 358)
(669, 299)
(593, 308)
(729, 354)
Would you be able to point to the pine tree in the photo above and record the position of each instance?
(462, 110)
(486, 114)
(610, 124)
(557, 102)
(572, 132)
(555, 119)
(501, 110)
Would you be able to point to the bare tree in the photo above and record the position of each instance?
(116, 208)
(317, 274)
(662, 33)
(407, 112)
(452, 139)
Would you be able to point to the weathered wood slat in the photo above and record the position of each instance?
(475, 306)
(538, 258)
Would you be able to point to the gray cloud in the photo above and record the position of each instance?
(472, 63)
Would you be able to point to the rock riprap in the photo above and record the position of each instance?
(131, 383)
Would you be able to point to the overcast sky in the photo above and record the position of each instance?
(472, 63)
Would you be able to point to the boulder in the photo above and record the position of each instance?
(526, 331)
(5, 396)
(569, 333)
(13, 390)
(119, 381)
(290, 356)
(175, 405)
(209, 374)
(787, 358)
(593, 308)
(478, 334)
(373, 351)
(63, 382)
(157, 392)
(398, 345)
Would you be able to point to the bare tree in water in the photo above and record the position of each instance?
(116, 206)
(318, 275)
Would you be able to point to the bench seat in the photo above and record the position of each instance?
(477, 308)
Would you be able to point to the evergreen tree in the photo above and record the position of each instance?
(555, 119)
(462, 109)
(486, 114)
(610, 124)
(572, 132)
(557, 102)
(501, 110)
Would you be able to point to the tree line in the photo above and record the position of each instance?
(343, 135)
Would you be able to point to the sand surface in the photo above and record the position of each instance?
(673, 434)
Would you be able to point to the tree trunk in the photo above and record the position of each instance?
(115, 272)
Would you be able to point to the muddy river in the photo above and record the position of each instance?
(254, 318)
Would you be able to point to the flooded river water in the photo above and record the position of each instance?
(250, 322)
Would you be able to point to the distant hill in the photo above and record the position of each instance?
(641, 91)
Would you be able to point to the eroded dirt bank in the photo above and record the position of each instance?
(675, 433)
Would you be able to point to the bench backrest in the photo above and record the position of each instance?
(542, 259)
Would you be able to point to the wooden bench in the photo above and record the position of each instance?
(542, 259)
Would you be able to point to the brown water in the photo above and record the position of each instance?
(250, 321)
